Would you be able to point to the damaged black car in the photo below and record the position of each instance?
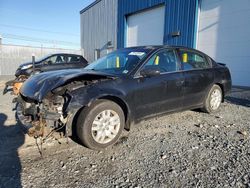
(121, 89)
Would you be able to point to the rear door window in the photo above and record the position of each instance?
(192, 60)
(74, 59)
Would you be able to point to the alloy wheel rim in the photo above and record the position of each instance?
(105, 126)
(215, 100)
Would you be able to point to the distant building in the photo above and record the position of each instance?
(220, 28)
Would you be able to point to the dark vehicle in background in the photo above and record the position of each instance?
(120, 89)
(52, 62)
(49, 63)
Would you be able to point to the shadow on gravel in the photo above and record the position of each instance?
(238, 101)
(11, 138)
(239, 96)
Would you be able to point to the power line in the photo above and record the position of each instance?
(40, 40)
(38, 30)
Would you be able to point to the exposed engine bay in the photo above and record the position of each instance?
(42, 119)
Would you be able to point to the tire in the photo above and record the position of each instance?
(208, 107)
(98, 116)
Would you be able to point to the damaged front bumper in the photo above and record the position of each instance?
(51, 103)
(39, 119)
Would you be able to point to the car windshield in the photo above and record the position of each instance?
(119, 62)
(43, 58)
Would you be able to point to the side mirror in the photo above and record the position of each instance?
(150, 72)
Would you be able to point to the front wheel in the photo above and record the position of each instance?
(213, 99)
(100, 125)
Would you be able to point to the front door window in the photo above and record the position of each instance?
(165, 61)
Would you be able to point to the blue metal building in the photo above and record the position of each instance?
(104, 23)
(179, 17)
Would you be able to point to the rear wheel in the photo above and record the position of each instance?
(213, 99)
(100, 125)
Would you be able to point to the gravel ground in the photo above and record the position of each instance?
(187, 149)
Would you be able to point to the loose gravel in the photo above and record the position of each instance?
(187, 149)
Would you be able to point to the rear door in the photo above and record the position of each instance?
(160, 93)
(199, 77)
(75, 61)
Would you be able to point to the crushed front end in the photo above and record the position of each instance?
(48, 105)
(41, 118)
(48, 102)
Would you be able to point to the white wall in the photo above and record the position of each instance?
(224, 34)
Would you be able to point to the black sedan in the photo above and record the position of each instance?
(52, 62)
(119, 90)
(49, 63)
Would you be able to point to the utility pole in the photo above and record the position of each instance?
(1, 55)
(33, 62)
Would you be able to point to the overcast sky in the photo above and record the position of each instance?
(42, 22)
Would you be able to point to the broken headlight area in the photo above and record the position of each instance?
(43, 118)
(53, 112)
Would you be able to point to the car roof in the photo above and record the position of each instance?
(153, 47)
(64, 54)
(156, 47)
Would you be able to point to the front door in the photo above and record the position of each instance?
(74, 62)
(160, 93)
(55, 62)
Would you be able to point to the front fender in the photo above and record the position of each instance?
(84, 97)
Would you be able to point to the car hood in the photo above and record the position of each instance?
(38, 86)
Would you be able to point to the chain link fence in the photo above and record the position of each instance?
(11, 56)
